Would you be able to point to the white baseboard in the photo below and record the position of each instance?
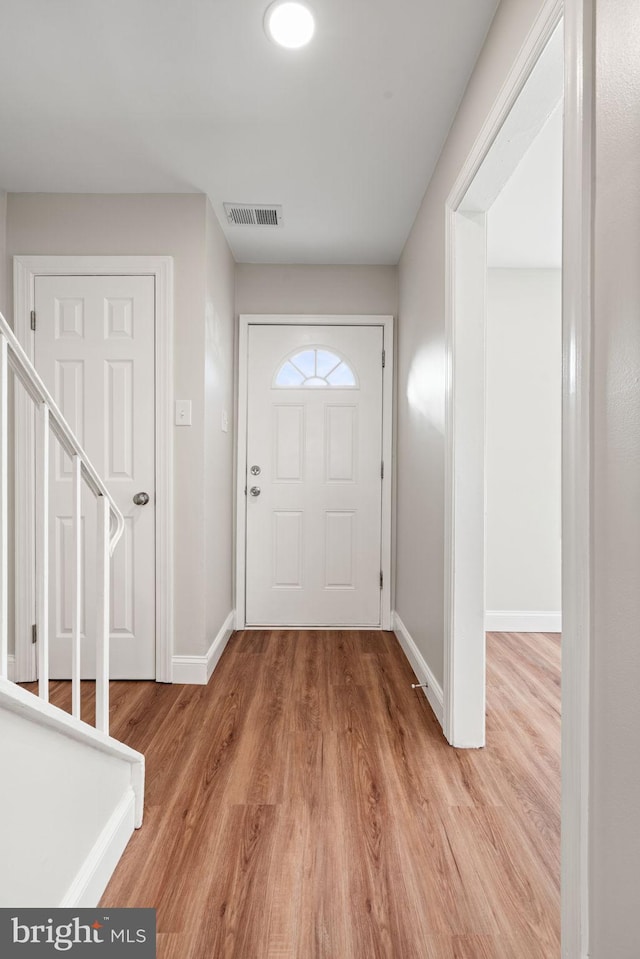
(11, 667)
(433, 690)
(197, 670)
(96, 870)
(217, 647)
(518, 621)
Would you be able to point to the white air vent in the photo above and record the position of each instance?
(253, 214)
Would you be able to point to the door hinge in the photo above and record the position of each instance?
(381, 580)
(34, 633)
(384, 358)
(382, 470)
(33, 319)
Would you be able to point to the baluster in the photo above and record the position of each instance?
(4, 531)
(76, 588)
(102, 621)
(42, 547)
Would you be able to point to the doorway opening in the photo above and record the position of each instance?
(496, 224)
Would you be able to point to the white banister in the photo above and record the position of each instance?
(4, 515)
(42, 547)
(102, 618)
(76, 586)
(26, 374)
(50, 420)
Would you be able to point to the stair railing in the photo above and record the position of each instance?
(49, 420)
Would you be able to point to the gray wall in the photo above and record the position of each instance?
(523, 441)
(615, 702)
(218, 446)
(3, 254)
(4, 309)
(421, 371)
(180, 226)
(316, 289)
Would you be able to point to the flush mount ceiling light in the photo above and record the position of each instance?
(289, 23)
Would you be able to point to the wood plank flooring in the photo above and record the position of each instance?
(304, 805)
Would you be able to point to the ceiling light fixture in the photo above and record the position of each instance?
(289, 23)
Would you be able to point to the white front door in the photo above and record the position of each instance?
(314, 485)
(94, 349)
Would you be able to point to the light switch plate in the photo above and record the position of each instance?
(183, 412)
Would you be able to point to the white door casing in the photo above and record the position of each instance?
(580, 54)
(464, 628)
(94, 349)
(160, 270)
(314, 542)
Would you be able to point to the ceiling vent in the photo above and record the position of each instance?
(253, 214)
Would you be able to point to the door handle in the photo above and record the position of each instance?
(255, 491)
(141, 499)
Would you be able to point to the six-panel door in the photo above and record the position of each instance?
(314, 487)
(94, 349)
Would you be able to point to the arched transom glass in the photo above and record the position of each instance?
(315, 367)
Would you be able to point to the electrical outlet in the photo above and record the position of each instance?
(225, 422)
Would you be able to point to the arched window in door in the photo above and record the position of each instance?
(315, 368)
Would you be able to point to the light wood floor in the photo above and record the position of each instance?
(304, 805)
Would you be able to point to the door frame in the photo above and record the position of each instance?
(576, 448)
(25, 271)
(386, 322)
(465, 321)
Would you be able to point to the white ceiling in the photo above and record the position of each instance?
(161, 96)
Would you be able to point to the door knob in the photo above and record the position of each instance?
(255, 491)
(141, 499)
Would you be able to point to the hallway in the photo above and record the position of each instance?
(304, 804)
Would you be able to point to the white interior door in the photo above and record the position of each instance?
(314, 485)
(94, 349)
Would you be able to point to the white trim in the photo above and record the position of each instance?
(218, 646)
(520, 621)
(25, 270)
(97, 869)
(463, 676)
(197, 670)
(17, 700)
(190, 670)
(4, 505)
(11, 667)
(241, 473)
(388, 489)
(358, 627)
(24, 492)
(465, 662)
(576, 473)
(537, 39)
(433, 690)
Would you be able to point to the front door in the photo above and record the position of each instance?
(314, 485)
(94, 349)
